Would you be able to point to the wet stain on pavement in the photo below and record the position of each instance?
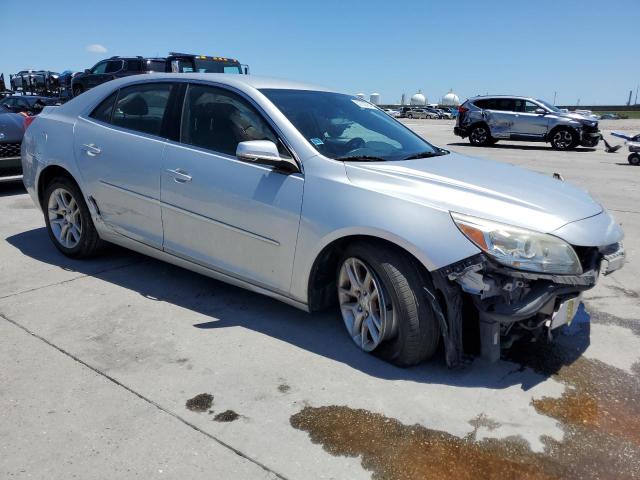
(392, 450)
(200, 403)
(226, 416)
(283, 388)
(598, 411)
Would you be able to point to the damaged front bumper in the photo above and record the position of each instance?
(590, 136)
(504, 298)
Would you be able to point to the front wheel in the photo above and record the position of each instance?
(480, 136)
(384, 306)
(564, 139)
(634, 159)
(68, 219)
(77, 90)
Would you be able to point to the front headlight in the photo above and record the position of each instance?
(518, 247)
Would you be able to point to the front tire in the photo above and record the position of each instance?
(634, 159)
(68, 219)
(480, 136)
(384, 306)
(564, 139)
(77, 90)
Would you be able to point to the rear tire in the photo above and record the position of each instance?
(68, 219)
(480, 136)
(409, 332)
(77, 90)
(634, 159)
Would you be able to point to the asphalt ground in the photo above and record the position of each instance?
(127, 367)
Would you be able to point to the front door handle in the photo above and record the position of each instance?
(179, 175)
(91, 149)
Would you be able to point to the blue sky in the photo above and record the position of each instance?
(585, 50)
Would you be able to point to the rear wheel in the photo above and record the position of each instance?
(634, 159)
(383, 304)
(77, 90)
(564, 139)
(68, 219)
(480, 136)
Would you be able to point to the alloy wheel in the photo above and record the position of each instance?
(563, 139)
(362, 304)
(64, 218)
(479, 135)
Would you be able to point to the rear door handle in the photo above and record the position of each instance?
(91, 149)
(179, 175)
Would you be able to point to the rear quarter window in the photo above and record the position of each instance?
(104, 110)
(485, 103)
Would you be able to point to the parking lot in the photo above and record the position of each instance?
(124, 366)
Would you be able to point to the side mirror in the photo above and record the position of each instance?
(541, 111)
(86, 70)
(265, 152)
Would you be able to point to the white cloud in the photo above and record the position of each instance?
(96, 48)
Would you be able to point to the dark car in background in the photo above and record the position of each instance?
(12, 127)
(118, 67)
(105, 70)
(30, 104)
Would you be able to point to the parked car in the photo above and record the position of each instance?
(318, 198)
(392, 112)
(445, 114)
(435, 111)
(609, 116)
(12, 127)
(485, 120)
(118, 67)
(30, 104)
(420, 113)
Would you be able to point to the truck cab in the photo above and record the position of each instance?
(186, 63)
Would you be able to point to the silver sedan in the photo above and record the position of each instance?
(319, 199)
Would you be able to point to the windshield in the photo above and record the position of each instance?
(553, 108)
(344, 127)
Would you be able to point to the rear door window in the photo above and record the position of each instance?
(134, 66)
(113, 66)
(504, 104)
(142, 107)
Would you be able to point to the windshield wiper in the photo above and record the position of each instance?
(361, 158)
(427, 154)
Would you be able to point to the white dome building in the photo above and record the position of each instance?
(419, 99)
(375, 98)
(361, 95)
(450, 99)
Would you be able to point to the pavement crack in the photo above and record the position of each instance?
(79, 277)
(142, 397)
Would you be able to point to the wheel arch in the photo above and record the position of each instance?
(321, 278)
(47, 175)
(561, 127)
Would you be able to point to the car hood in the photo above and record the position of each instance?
(576, 116)
(482, 188)
(11, 127)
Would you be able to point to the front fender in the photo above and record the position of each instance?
(335, 208)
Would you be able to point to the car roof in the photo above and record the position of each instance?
(240, 81)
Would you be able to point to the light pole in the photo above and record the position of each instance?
(554, 97)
